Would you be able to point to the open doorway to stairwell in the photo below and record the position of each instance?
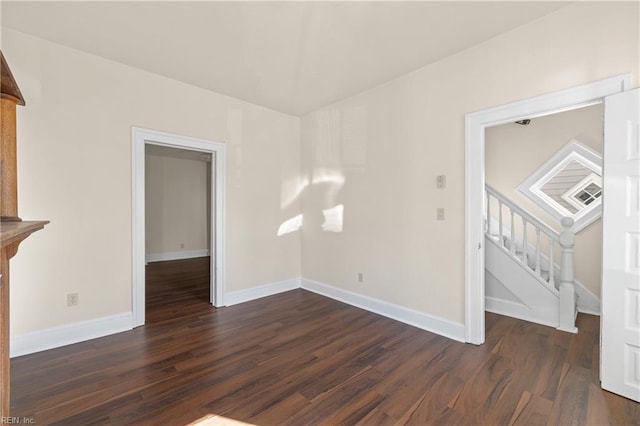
(177, 232)
(620, 198)
(537, 172)
(610, 91)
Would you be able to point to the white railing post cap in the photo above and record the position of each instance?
(566, 222)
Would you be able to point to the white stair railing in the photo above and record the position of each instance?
(531, 256)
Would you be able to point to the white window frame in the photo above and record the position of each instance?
(571, 195)
(576, 151)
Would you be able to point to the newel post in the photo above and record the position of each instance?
(567, 305)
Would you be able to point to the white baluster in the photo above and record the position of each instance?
(552, 269)
(512, 243)
(500, 222)
(524, 242)
(489, 214)
(567, 304)
(538, 251)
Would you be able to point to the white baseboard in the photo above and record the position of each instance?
(588, 302)
(241, 296)
(441, 326)
(175, 255)
(68, 334)
(516, 310)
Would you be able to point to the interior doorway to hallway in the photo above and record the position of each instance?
(178, 221)
(214, 233)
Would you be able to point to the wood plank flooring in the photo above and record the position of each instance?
(298, 358)
(176, 287)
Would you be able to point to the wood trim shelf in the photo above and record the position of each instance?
(8, 87)
(11, 232)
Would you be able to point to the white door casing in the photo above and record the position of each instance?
(620, 319)
(139, 138)
(475, 124)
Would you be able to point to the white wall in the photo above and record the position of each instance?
(74, 165)
(513, 152)
(389, 143)
(177, 196)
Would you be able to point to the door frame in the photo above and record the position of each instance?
(139, 139)
(475, 124)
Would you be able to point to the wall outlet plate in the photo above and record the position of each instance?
(72, 299)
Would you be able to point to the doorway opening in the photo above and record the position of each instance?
(186, 148)
(177, 232)
(538, 172)
(475, 128)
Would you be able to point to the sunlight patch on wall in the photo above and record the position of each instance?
(291, 190)
(330, 181)
(290, 225)
(328, 176)
(333, 219)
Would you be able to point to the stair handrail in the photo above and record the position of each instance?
(552, 233)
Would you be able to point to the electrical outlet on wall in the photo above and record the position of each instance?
(360, 277)
(181, 245)
(72, 299)
(440, 213)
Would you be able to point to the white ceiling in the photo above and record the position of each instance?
(293, 57)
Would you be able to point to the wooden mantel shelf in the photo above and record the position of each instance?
(11, 232)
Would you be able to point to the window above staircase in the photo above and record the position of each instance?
(569, 184)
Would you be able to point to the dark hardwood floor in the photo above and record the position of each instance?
(302, 359)
(175, 288)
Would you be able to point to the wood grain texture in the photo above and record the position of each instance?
(8, 162)
(298, 358)
(12, 232)
(11, 235)
(8, 87)
(5, 370)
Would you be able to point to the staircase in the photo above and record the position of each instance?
(522, 254)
